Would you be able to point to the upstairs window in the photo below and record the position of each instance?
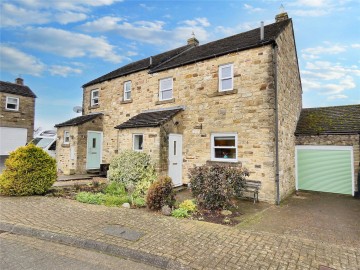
(138, 140)
(12, 103)
(224, 147)
(94, 97)
(166, 89)
(127, 90)
(226, 77)
(66, 137)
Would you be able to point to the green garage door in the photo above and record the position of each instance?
(326, 169)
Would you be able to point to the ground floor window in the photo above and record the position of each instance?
(138, 140)
(66, 137)
(224, 147)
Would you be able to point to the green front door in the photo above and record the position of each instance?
(326, 169)
(93, 157)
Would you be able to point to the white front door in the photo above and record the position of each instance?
(93, 157)
(175, 159)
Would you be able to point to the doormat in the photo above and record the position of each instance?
(123, 232)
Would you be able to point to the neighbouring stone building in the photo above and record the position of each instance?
(232, 101)
(17, 112)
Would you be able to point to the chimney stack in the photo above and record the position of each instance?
(281, 17)
(19, 81)
(193, 40)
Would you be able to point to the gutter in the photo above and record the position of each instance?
(277, 175)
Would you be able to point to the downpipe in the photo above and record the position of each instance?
(277, 175)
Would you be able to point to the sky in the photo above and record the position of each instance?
(56, 46)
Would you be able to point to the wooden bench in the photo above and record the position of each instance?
(253, 186)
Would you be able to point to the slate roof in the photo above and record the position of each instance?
(329, 120)
(16, 89)
(149, 119)
(190, 54)
(78, 120)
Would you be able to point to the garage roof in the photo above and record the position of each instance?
(329, 120)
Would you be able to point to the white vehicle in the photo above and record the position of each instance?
(47, 141)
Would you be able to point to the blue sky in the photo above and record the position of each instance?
(57, 46)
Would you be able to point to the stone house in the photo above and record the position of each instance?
(233, 101)
(17, 112)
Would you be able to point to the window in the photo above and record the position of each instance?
(224, 147)
(166, 89)
(127, 90)
(138, 140)
(66, 137)
(12, 103)
(226, 77)
(94, 97)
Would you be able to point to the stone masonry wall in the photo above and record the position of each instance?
(289, 108)
(24, 118)
(66, 153)
(248, 110)
(335, 140)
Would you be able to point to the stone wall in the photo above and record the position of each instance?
(289, 108)
(24, 118)
(335, 140)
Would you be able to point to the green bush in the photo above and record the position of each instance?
(115, 188)
(180, 213)
(188, 205)
(134, 170)
(160, 193)
(214, 186)
(29, 170)
(139, 202)
(113, 200)
(101, 198)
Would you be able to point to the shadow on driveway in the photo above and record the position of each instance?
(325, 217)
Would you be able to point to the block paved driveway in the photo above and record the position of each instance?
(198, 245)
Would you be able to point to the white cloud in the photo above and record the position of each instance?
(69, 44)
(17, 62)
(144, 6)
(251, 8)
(337, 97)
(312, 3)
(16, 16)
(355, 46)
(309, 12)
(63, 71)
(70, 17)
(196, 22)
(313, 53)
(315, 8)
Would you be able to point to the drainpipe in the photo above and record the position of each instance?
(277, 176)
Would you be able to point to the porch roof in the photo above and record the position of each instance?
(149, 119)
(78, 120)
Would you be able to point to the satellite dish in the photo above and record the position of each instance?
(77, 109)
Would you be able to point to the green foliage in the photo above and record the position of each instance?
(29, 170)
(160, 193)
(139, 202)
(188, 205)
(180, 213)
(113, 200)
(134, 170)
(214, 186)
(101, 198)
(115, 188)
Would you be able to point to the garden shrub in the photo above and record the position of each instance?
(113, 200)
(134, 170)
(214, 186)
(29, 170)
(115, 188)
(91, 198)
(139, 202)
(160, 193)
(188, 205)
(180, 213)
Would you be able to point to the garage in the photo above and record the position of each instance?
(11, 138)
(325, 169)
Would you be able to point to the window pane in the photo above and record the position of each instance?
(225, 153)
(12, 100)
(226, 84)
(127, 86)
(138, 142)
(11, 106)
(166, 84)
(174, 148)
(94, 143)
(95, 93)
(226, 72)
(127, 95)
(95, 101)
(224, 141)
(166, 94)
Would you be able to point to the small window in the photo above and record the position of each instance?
(12, 103)
(127, 90)
(226, 77)
(166, 89)
(66, 137)
(94, 97)
(224, 147)
(138, 140)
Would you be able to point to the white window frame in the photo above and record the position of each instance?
(92, 98)
(8, 102)
(213, 147)
(166, 89)
(125, 91)
(66, 137)
(134, 146)
(221, 78)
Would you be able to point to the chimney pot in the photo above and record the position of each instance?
(262, 31)
(19, 81)
(281, 17)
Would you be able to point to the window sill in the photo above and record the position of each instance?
(224, 163)
(9, 110)
(224, 93)
(94, 107)
(165, 101)
(126, 101)
(65, 145)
